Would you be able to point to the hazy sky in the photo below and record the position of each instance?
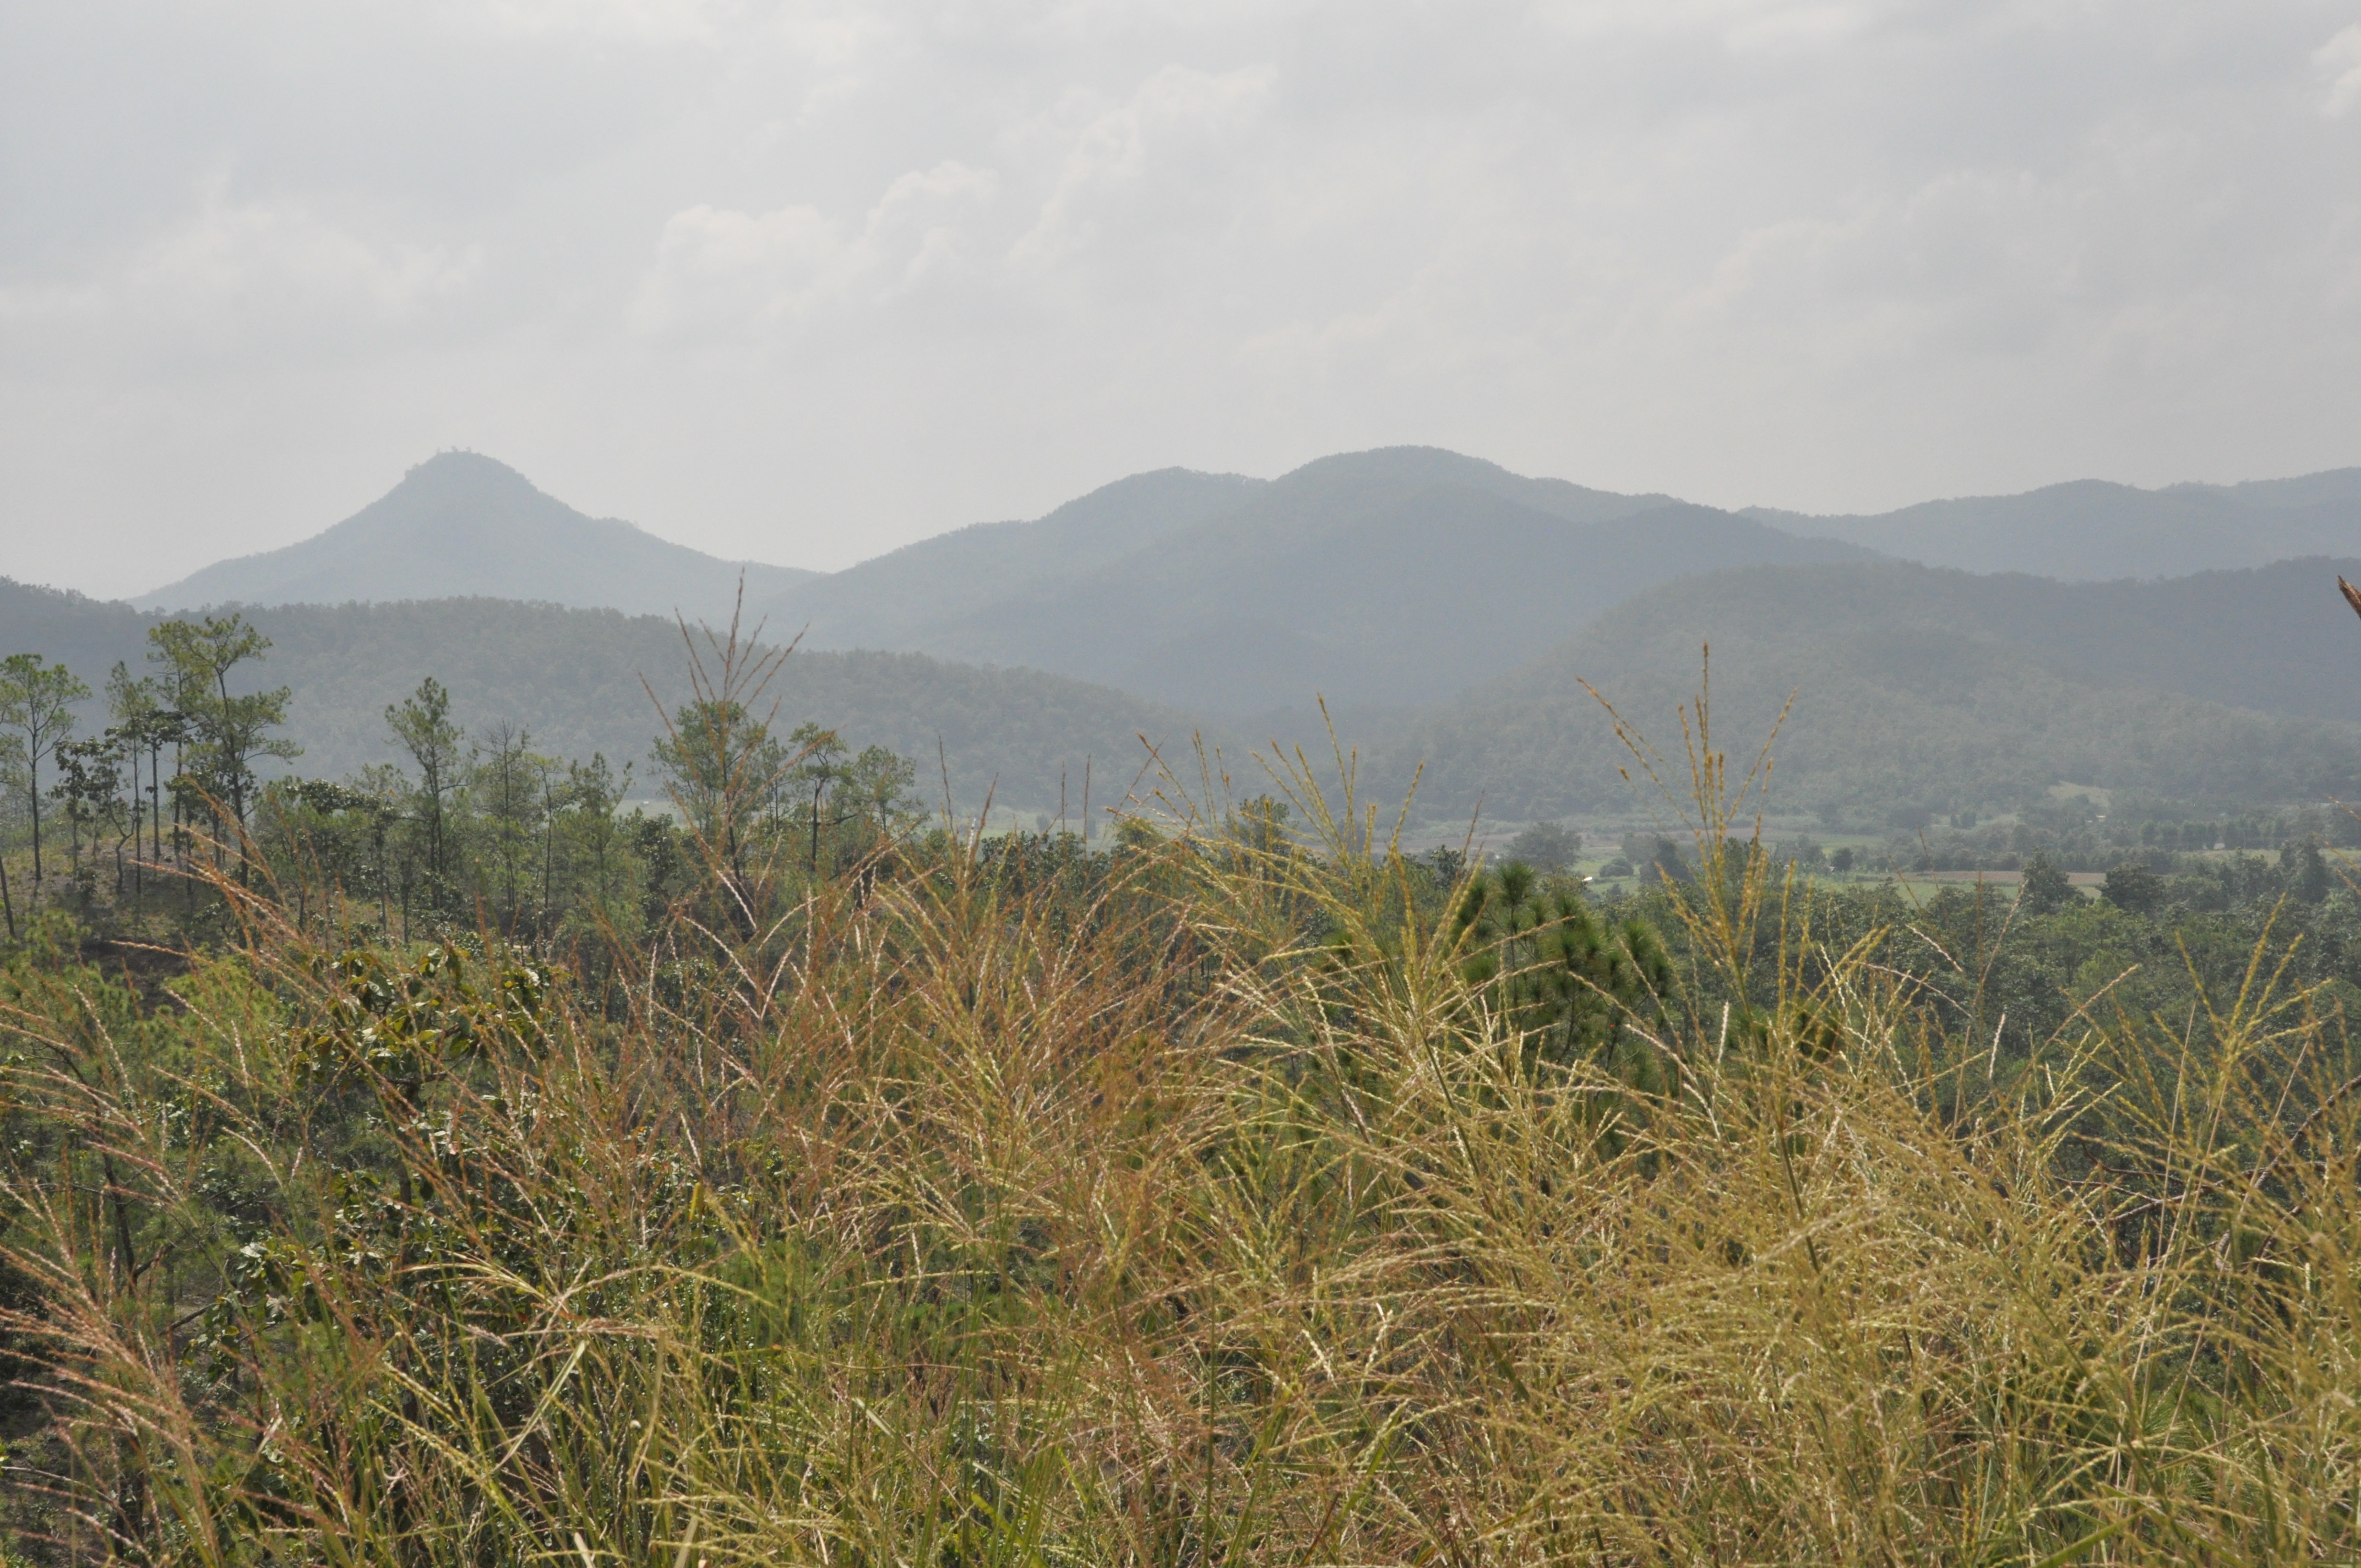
(799, 283)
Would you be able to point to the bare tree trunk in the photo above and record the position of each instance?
(33, 793)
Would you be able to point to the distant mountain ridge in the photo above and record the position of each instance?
(2092, 530)
(1373, 579)
(1913, 686)
(900, 598)
(462, 524)
(1377, 580)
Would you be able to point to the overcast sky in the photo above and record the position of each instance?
(801, 282)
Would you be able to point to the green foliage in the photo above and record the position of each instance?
(2306, 870)
(2134, 888)
(227, 731)
(36, 713)
(2045, 889)
(1582, 988)
(422, 725)
(1546, 845)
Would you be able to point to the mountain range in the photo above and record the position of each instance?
(1381, 580)
(1218, 592)
(1448, 609)
(461, 523)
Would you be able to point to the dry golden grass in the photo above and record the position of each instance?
(1218, 1220)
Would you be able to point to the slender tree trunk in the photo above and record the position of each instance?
(814, 833)
(33, 793)
(8, 902)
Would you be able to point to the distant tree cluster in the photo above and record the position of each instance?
(473, 828)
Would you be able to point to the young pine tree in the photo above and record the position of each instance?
(36, 716)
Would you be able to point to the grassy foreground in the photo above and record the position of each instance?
(1212, 1201)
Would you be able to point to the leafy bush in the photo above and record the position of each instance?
(1545, 847)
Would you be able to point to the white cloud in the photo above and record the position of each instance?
(1739, 24)
(235, 278)
(723, 270)
(629, 21)
(2339, 60)
(1169, 112)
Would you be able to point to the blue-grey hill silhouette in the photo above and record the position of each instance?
(464, 525)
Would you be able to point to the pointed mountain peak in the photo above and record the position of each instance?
(463, 478)
(464, 525)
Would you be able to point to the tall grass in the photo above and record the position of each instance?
(1205, 1209)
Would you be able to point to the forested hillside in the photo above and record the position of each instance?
(1915, 687)
(572, 678)
(2276, 639)
(462, 524)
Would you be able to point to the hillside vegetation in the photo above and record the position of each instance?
(572, 678)
(450, 1162)
(1914, 686)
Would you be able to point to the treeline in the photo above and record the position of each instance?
(580, 679)
(148, 822)
(2077, 836)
